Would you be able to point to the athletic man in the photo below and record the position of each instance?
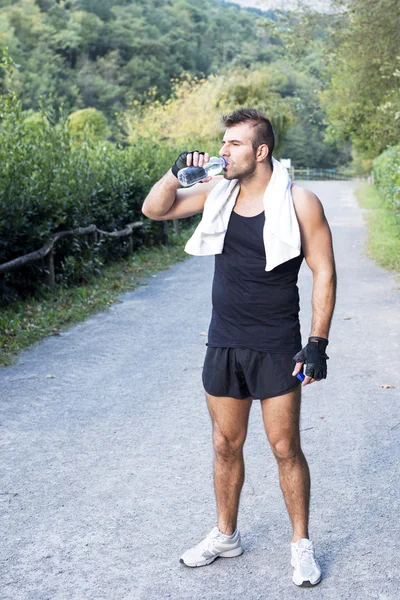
(254, 347)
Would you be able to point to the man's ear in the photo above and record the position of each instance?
(262, 152)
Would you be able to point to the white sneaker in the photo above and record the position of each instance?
(213, 546)
(307, 571)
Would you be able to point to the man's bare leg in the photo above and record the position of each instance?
(230, 420)
(281, 417)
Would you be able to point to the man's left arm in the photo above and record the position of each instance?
(316, 240)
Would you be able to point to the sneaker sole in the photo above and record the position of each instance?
(307, 583)
(208, 561)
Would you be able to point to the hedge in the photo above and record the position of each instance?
(51, 181)
(386, 169)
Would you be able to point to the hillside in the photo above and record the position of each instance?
(109, 54)
(320, 5)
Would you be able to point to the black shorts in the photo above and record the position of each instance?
(241, 373)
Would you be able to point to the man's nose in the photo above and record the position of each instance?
(224, 151)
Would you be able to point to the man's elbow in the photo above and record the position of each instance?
(326, 277)
(146, 212)
(328, 272)
(150, 214)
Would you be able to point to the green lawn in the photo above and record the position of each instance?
(383, 237)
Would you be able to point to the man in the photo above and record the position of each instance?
(254, 331)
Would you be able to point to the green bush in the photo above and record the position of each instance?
(386, 169)
(89, 122)
(50, 183)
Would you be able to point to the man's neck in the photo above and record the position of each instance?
(256, 185)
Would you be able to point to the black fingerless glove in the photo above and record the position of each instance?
(315, 357)
(180, 162)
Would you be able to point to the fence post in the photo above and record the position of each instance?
(164, 235)
(50, 277)
(94, 236)
(130, 245)
(176, 226)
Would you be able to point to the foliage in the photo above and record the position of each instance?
(383, 203)
(383, 239)
(110, 55)
(170, 70)
(89, 123)
(107, 53)
(287, 95)
(386, 169)
(299, 75)
(49, 183)
(304, 141)
(363, 99)
(183, 116)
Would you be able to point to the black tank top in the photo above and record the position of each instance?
(253, 308)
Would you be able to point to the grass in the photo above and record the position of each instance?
(383, 228)
(26, 322)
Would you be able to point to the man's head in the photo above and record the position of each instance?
(248, 142)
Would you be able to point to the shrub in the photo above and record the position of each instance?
(49, 183)
(89, 122)
(386, 169)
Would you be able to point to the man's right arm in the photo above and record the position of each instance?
(167, 200)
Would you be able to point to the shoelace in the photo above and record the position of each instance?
(305, 556)
(208, 541)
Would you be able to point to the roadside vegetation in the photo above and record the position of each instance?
(383, 233)
(97, 98)
(382, 201)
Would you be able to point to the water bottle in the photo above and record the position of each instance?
(191, 175)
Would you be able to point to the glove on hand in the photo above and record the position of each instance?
(180, 162)
(315, 357)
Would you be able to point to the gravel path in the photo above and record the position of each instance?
(106, 453)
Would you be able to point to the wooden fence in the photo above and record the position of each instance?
(47, 251)
(319, 175)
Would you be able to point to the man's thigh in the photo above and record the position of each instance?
(229, 416)
(281, 416)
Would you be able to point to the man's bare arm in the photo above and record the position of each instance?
(166, 200)
(316, 242)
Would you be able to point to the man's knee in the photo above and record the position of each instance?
(286, 448)
(228, 447)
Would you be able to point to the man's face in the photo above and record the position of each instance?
(237, 149)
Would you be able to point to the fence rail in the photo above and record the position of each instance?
(47, 251)
(319, 175)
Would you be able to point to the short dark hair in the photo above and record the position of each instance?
(263, 131)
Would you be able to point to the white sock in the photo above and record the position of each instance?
(227, 537)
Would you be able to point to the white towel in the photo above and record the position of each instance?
(281, 230)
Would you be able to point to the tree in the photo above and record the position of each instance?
(183, 117)
(89, 123)
(363, 99)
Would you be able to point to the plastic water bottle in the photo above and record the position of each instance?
(192, 175)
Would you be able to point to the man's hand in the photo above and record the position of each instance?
(190, 158)
(315, 357)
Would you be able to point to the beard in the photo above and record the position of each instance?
(241, 173)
